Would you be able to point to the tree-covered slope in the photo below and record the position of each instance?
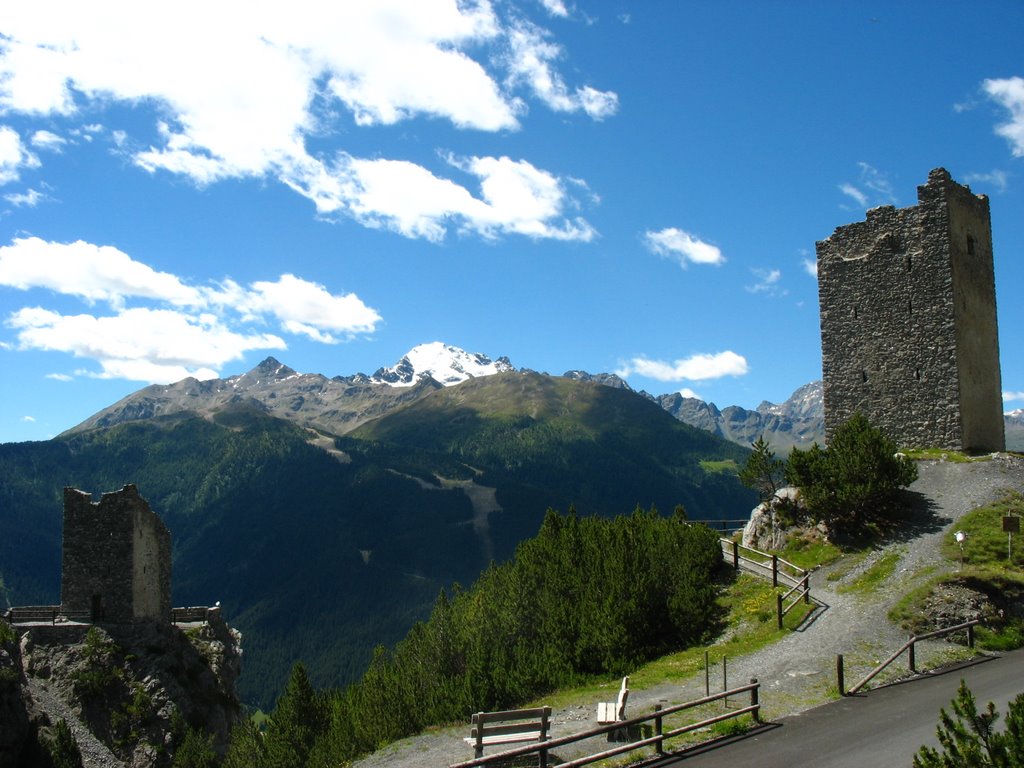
(320, 550)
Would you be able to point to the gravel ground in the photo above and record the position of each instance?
(797, 672)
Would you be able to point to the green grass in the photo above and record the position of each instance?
(937, 454)
(986, 567)
(875, 575)
(724, 466)
(986, 543)
(807, 553)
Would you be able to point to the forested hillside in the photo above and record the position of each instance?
(584, 597)
(320, 549)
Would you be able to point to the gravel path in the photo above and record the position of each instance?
(95, 753)
(797, 672)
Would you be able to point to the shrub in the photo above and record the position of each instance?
(853, 485)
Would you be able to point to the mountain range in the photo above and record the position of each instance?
(341, 404)
(326, 514)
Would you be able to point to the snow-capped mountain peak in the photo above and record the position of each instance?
(444, 363)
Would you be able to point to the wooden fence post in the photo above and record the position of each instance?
(807, 587)
(754, 700)
(840, 681)
(735, 556)
(707, 675)
(912, 657)
(659, 745)
(970, 636)
(778, 609)
(775, 570)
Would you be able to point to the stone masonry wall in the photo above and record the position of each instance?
(908, 321)
(116, 562)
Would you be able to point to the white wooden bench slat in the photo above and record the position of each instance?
(613, 712)
(509, 727)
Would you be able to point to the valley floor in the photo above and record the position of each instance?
(797, 672)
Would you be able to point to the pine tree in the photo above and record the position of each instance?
(969, 738)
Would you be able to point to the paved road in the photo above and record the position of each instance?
(883, 728)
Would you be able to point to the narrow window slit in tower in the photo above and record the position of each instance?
(864, 376)
(970, 245)
(917, 374)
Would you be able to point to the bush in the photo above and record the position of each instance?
(854, 485)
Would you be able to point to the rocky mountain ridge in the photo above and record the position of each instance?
(338, 405)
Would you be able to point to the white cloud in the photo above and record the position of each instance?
(94, 273)
(851, 191)
(28, 419)
(309, 309)
(59, 377)
(48, 140)
(530, 62)
(154, 345)
(767, 282)
(1012, 396)
(683, 247)
(191, 331)
(699, 367)
(811, 267)
(515, 197)
(687, 392)
(997, 179)
(28, 199)
(555, 8)
(13, 155)
(259, 79)
(872, 188)
(1009, 93)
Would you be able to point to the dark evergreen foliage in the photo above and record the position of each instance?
(584, 597)
(969, 737)
(853, 486)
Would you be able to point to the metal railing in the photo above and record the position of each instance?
(907, 646)
(657, 740)
(42, 613)
(24, 614)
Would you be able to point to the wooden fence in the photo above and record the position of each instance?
(657, 740)
(774, 567)
(912, 658)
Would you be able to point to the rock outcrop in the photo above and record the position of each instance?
(128, 694)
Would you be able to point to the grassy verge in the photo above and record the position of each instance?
(937, 454)
(985, 564)
(875, 574)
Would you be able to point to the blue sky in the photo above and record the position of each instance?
(635, 187)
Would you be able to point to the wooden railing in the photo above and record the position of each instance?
(657, 740)
(907, 646)
(771, 566)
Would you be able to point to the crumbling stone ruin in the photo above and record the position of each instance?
(116, 563)
(908, 321)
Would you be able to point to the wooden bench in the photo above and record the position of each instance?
(614, 711)
(509, 727)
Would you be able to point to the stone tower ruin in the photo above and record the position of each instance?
(116, 562)
(908, 321)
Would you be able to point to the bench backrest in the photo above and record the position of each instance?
(497, 724)
(620, 702)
